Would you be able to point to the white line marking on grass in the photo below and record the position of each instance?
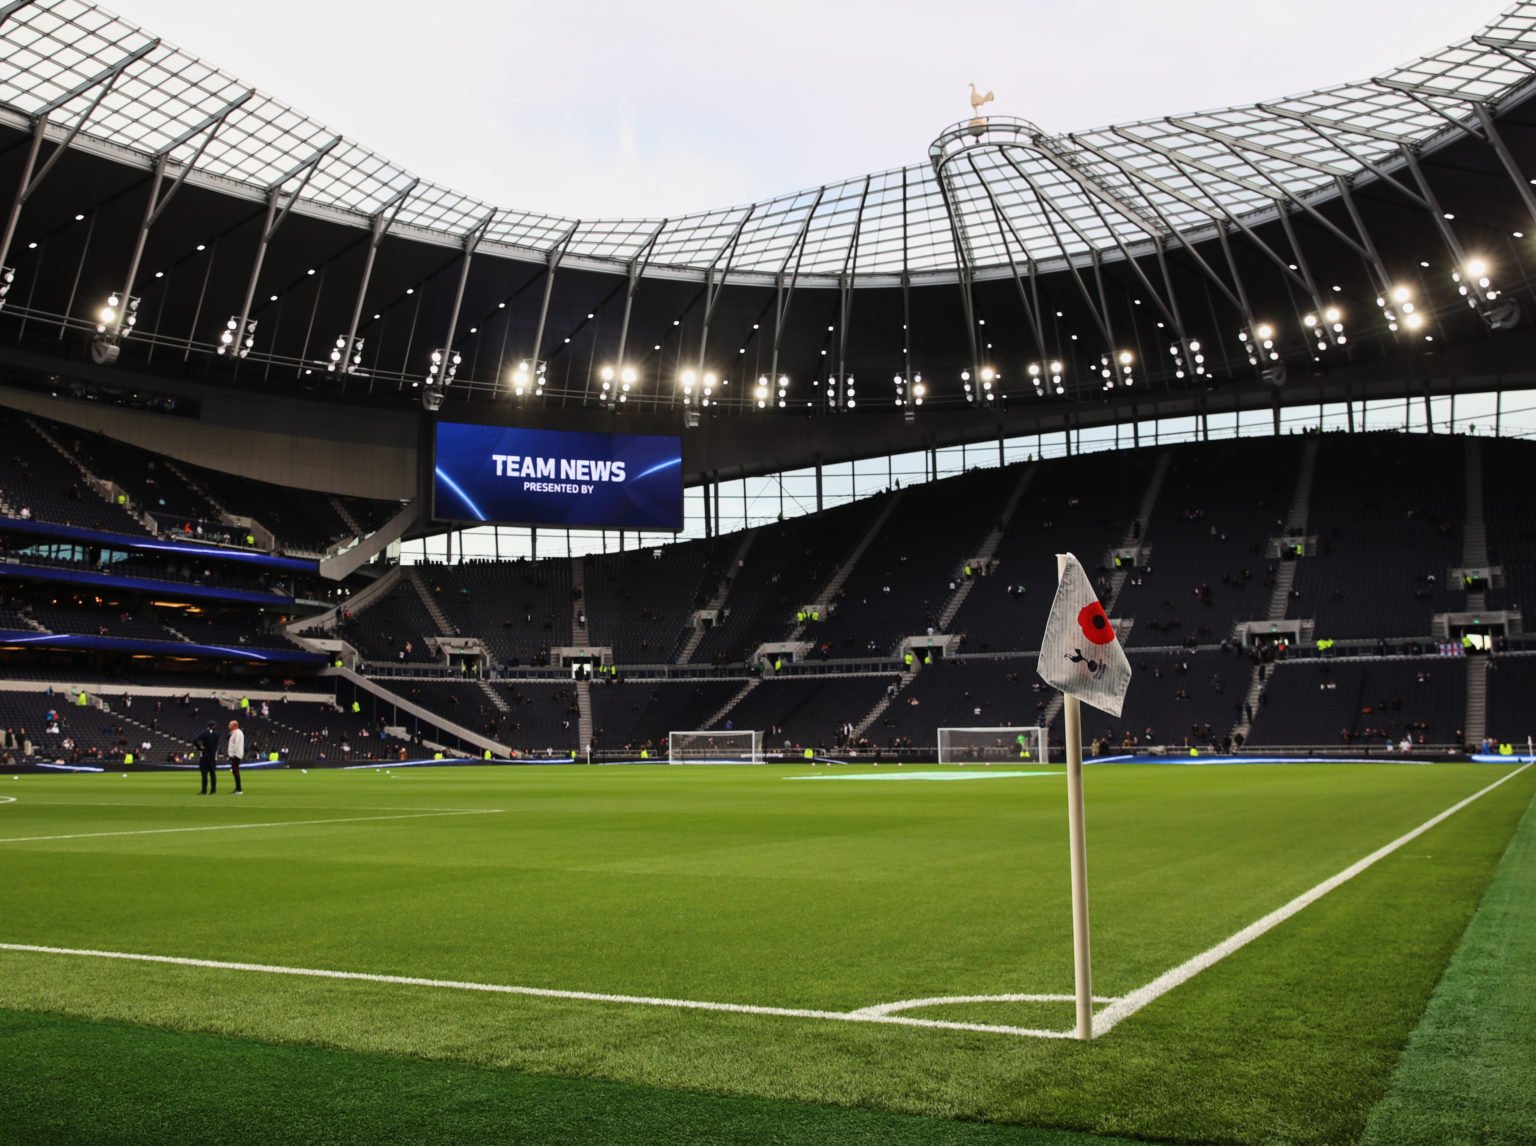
(860, 1016)
(7, 799)
(1127, 1006)
(983, 775)
(949, 1000)
(241, 827)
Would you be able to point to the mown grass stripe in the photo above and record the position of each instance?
(245, 827)
(126, 1083)
(1127, 1006)
(1466, 1073)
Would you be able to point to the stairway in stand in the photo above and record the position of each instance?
(434, 610)
(985, 552)
(717, 602)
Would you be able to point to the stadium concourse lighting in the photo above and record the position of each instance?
(528, 374)
(342, 362)
(1477, 288)
(988, 377)
(842, 392)
(1121, 363)
(909, 394)
(444, 367)
(233, 346)
(1187, 356)
(1398, 308)
(7, 278)
(1038, 375)
(1327, 327)
(1260, 344)
(115, 318)
(625, 376)
(697, 387)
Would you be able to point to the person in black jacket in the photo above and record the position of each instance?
(207, 742)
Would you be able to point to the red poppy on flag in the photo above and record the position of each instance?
(1095, 624)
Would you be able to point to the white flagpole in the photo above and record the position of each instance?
(1078, 844)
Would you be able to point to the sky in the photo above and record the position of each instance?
(661, 107)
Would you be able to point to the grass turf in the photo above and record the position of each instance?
(1466, 1075)
(729, 884)
(132, 1084)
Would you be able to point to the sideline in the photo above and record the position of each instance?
(245, 827)
(1115, 1013)
(859, 1016)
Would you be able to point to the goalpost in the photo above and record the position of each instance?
(743, 746)
(993, 745)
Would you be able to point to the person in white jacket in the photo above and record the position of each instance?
(236, 751)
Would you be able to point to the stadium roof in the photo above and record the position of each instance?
(994, 197)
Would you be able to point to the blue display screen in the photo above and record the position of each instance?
(557, 477)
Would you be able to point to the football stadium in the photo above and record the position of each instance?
(1021, 647)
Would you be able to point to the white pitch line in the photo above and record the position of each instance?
(1128, 1005)
(952, 1000)
(243, 827)
(860, 1016)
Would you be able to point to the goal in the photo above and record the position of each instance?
(992, 745)
(695, 747)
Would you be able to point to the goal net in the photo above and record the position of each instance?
(992, 745)
(694, 747)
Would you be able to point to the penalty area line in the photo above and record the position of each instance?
(867, 1015)
(1129, 1004)
(247, 827)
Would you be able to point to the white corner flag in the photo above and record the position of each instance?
(1080, 654)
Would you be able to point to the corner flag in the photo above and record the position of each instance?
(1080, 654)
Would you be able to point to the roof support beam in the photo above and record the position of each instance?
(845, 286)
(1031, 311)
(379, 226)
(1328, 128)
(1198, 164)
(472, 239)
(1374, 168)
(1489, 135)
(783, 295)
(9, 10)
(963, 255)
(275, 216)
(1169, 308)
(1141, 182)
(1299, 201)
(1100, 319)
(1372, 255)
(108, 76)
(1452, 244)
(633, 272)
(1513, 50)
(712, 288)
(29, 181)
(1511, 168)
(1238, 146)
(551, 265)
(1285, 267)
(155, 207)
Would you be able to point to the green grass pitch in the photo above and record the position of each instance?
(751, 886)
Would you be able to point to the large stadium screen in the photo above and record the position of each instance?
(513, 476)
